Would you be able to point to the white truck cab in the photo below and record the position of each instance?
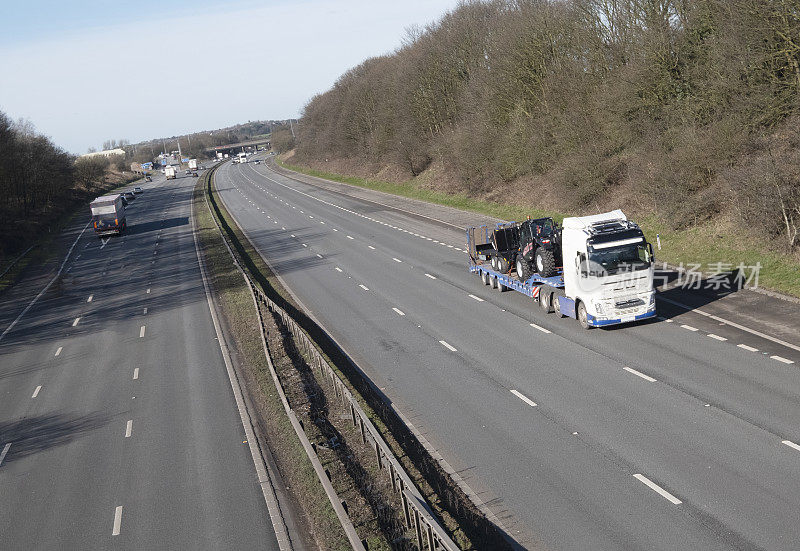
(608, 270)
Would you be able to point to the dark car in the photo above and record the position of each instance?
(137, 190)
(129, 196)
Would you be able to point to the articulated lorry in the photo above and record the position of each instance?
(170, 171)
(108, 214)
(606, 272)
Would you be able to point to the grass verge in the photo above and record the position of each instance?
(237, 309)
(702, 244)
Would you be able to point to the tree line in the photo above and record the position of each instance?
(39, 183)
(685, 108)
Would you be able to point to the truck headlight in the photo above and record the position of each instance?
(652, 303)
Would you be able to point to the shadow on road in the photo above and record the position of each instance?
(35, 434)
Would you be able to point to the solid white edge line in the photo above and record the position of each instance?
(448, 346)
(748, 348)
(4, 452)
(542, 329)
(785, 442)
(658, 489)
(689, 327)
(639, 374)
(129, 428)
(135, 373)
(399, 312)
(782, 359)
(58, 352)
(117, 521)
(36, 392)
(524, 398)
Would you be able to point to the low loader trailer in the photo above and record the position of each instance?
(606, 277)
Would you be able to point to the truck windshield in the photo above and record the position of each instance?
(625, 258)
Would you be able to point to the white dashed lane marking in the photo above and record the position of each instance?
(117, 521)
(639, 374)
(448, 346)
(74, 323)
(717, 337)
(540, 328)
(430, 276)
(689, 328)
(399, 312)
(364, 287)
(658, 489)
(524, 398)
(36, 392)
(791, 444)
(748, 348)
(58, 352)
(782, 360)
(479, 299)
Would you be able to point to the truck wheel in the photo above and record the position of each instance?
(485, 278)
(545, 302)
(502, 265)
(583, 318)
(545, 262)
(524, 271)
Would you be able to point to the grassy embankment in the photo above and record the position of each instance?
(697, 245)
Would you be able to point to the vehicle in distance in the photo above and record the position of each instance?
(193, 164)
(108, 214)
(170, 171)
(129, 196)
(147, 178)
(137, 190)
(606, 279)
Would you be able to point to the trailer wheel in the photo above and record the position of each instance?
(523, 269)
(493, 263)
(583, 318)
(485, 278)
(545, 302)
(499, 286)
(545, 262)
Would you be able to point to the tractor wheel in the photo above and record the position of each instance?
(524, 271)
(545, 262)
(502, 265)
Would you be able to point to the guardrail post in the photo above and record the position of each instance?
(417, 528)
(429, 532)
(391, 476)
(406, 515)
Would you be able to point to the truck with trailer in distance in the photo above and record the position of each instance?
(108, 214)
(170, 171)
(193, 165)
(606, 277)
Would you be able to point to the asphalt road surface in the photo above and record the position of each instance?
(675, 434)
(118, 425)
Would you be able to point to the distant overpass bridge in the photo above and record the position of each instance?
(233, 147)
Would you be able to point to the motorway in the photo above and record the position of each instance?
(676, 434)
(118, 424)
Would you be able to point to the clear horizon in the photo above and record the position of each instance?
(85, 72)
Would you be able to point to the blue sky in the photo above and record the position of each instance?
(84, 72)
